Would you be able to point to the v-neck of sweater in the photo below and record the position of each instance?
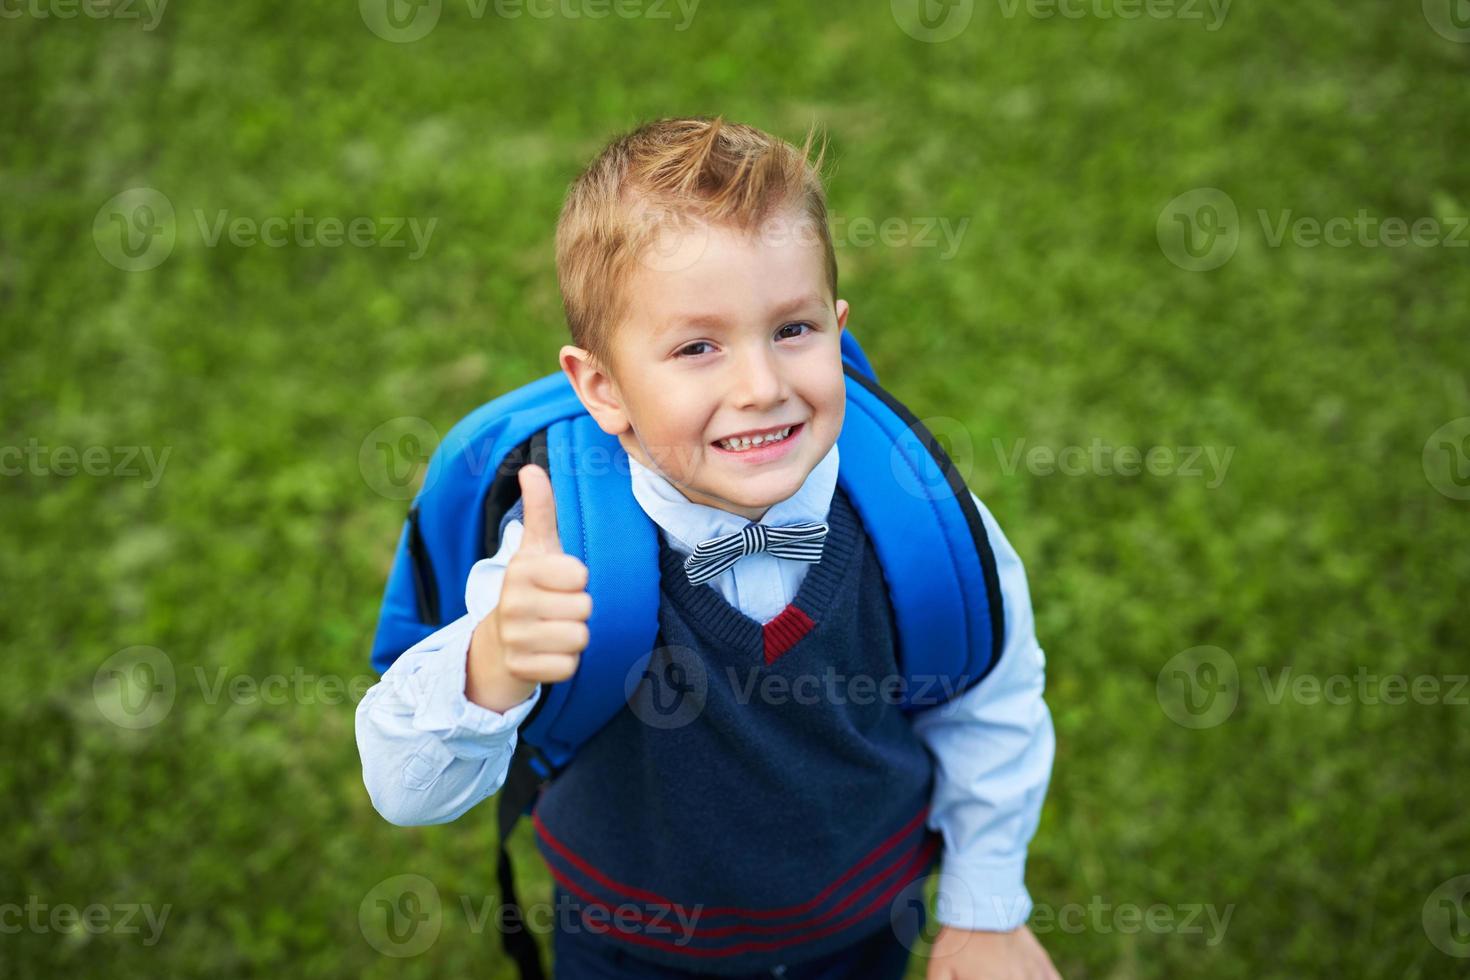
(717, 621)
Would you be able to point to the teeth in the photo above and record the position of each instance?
(736, 445)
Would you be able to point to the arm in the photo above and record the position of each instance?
(428, 752)
(437, 733)
(993, 748)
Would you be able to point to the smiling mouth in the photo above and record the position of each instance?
(772, 437)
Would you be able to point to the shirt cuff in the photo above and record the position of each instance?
(487, 576)
(467, 729)
(990, 897)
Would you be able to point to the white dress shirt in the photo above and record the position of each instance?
(429, 754)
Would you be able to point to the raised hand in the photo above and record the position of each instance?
(537, 631)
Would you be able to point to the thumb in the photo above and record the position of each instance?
(540, 518)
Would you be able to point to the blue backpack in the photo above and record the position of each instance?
(914, 506)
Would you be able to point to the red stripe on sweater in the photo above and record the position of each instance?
(791, 910)
(710, 932)
(914, 869)
(783, 632)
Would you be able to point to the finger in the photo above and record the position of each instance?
(547, 636)
(553, 604)
(539, 535)
(559, 572)
(531, 602)
(543, 668)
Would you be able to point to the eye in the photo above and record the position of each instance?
(688, 350)
(785, 326)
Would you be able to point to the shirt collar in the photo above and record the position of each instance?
(686, 523)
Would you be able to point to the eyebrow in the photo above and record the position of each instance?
(714, 320)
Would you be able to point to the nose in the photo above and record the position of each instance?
(759, 381)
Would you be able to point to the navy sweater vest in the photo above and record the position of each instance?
(761, 799)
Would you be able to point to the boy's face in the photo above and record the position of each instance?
(726, 334)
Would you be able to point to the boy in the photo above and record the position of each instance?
(708, 344)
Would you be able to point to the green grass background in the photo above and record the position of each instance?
(263, 549)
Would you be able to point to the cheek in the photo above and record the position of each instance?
(834, 392)
(680, 437)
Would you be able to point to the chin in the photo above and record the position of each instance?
(768, 495)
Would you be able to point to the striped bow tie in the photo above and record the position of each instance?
(714, 555)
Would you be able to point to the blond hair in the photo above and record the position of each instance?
(698, 168)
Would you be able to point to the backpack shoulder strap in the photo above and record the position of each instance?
(600, 522)
(930, 540)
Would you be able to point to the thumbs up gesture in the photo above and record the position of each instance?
(537, 631)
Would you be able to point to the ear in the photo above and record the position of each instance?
(842, 310)
(595, 388)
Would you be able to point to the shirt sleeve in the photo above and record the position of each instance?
(429, 753)
(993, 748)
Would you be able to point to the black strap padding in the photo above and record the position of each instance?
(425, 589)
(961, 491)
(522, 782)
(517, 796)
(505, 488)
